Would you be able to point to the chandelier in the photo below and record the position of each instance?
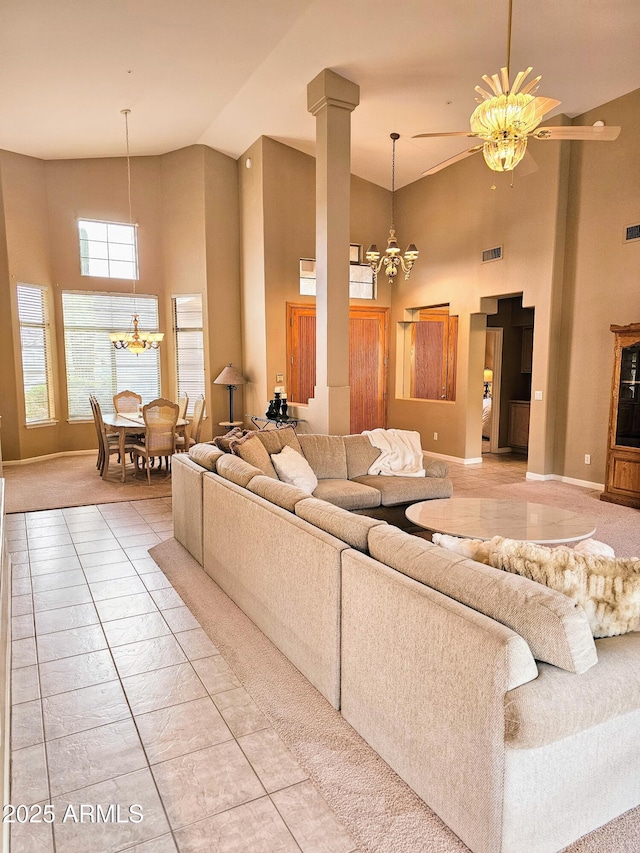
(392, 260)
(133, 339)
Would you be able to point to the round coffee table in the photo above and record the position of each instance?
(484, 518)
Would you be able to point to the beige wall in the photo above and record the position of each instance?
(186, 206)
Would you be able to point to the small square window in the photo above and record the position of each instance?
(108, 249)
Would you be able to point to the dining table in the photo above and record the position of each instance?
(130, 424)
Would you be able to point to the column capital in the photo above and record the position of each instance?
(330, 89)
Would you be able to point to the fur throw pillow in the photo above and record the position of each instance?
(607, 588)
(223, 442)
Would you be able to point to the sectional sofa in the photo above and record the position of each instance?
(483, 690)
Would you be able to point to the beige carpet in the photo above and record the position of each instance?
(75, 481)
(380, 812)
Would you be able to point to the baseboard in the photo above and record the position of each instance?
(572, 481)
(8, 463)
(473, 460)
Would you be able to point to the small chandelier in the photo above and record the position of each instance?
(392, 260)
(133, 340)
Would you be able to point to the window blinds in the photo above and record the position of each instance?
(188, 336)
(35, 342)
(94, 366)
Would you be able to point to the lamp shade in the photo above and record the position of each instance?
(230, 376)
(488, 375)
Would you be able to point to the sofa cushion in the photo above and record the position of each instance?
(403, 490)
(360, 455)
(276, 492)
(205, 455)
(435, 468)
(274, 440)
(291, 467)
(555, 627)
(557, 704)
(607, 588)
(253, 451)
(235, 469)
(352, 529)
(327, 456)
(347, 494)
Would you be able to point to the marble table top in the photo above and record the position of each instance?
(483, 518)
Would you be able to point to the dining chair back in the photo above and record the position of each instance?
(160, 418)
(108, 442)
(183, 402)
(196, 422)
(126, 402)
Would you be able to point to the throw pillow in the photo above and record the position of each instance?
(251, 449)
(223, 442)
(607, 588)
(291, 467)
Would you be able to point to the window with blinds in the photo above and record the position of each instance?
(94, 366)
(189, 346)
(35, 343)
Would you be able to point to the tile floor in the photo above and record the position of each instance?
(120, 699)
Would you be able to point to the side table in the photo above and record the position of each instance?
(230, 424)
(278, 423)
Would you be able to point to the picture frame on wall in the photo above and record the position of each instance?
(355, 253)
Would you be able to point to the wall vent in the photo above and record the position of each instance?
(494, 254)
(631, 232)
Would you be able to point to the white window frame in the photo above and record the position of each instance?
(93, 365)
(190, 377)
(362, 283)
(41, 325)
(107, 248)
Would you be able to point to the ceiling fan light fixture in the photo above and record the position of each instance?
(505, 154)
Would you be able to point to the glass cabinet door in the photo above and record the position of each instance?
(628, 416)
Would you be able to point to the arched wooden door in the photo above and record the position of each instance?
(368, 359)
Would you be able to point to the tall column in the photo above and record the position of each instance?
(331, 99)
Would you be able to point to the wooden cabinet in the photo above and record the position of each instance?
(622, 479)
(519, 411)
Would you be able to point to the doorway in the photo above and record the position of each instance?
(368, 359)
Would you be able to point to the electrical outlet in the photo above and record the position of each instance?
(435, 436)
(537, 395)
(587, 459)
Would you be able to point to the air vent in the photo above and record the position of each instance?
(494, 254)
(631, 232)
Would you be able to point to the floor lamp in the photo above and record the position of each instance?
(231, 377)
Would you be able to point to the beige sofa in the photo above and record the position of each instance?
(483, 690)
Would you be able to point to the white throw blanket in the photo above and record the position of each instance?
(401, 454)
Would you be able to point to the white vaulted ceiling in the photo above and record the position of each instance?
(224, 73)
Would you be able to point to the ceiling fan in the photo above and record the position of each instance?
(508, 114)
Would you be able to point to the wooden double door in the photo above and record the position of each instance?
(368, 359)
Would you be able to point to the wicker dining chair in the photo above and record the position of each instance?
(183, 402)
(108, 442)
(192, 432)
(126, 402)
(160, 418)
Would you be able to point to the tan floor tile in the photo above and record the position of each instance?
(103, 548)
(115, 588)
(274, 764)
(80, 526)
(120, 608)
(108, 837)
(20, 558)
(29, 782)
(21, 604)
(103, 534)
(145, 565)
(156, 580)
(93, 756)
(71, 673)
(55, 540)
(240, 712)
(121, 632)
(138, 552)
(147, 655)
(58, 580)
(65, 644)
(196, 644)
(216, 674)
(180, 729)
(25, 684)
(167, 599)
(112, 571)
(23, 652)
(53, 599)
(161, 688)
(26, 724)
(20, 585)
(256, 827)
(147, 540)
(99, 558)
(139, 528)
(87, 708)
(311, 821)
(20, 570)
(164, 844)
(206, 782)
(63, 563)
(180, 619)
(31, 837)
(77, 616)
(22, 626)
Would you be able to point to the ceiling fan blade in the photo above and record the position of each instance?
(452, 160)
(544, 105)
(528, 165)
(448, 133)
(600, 133)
